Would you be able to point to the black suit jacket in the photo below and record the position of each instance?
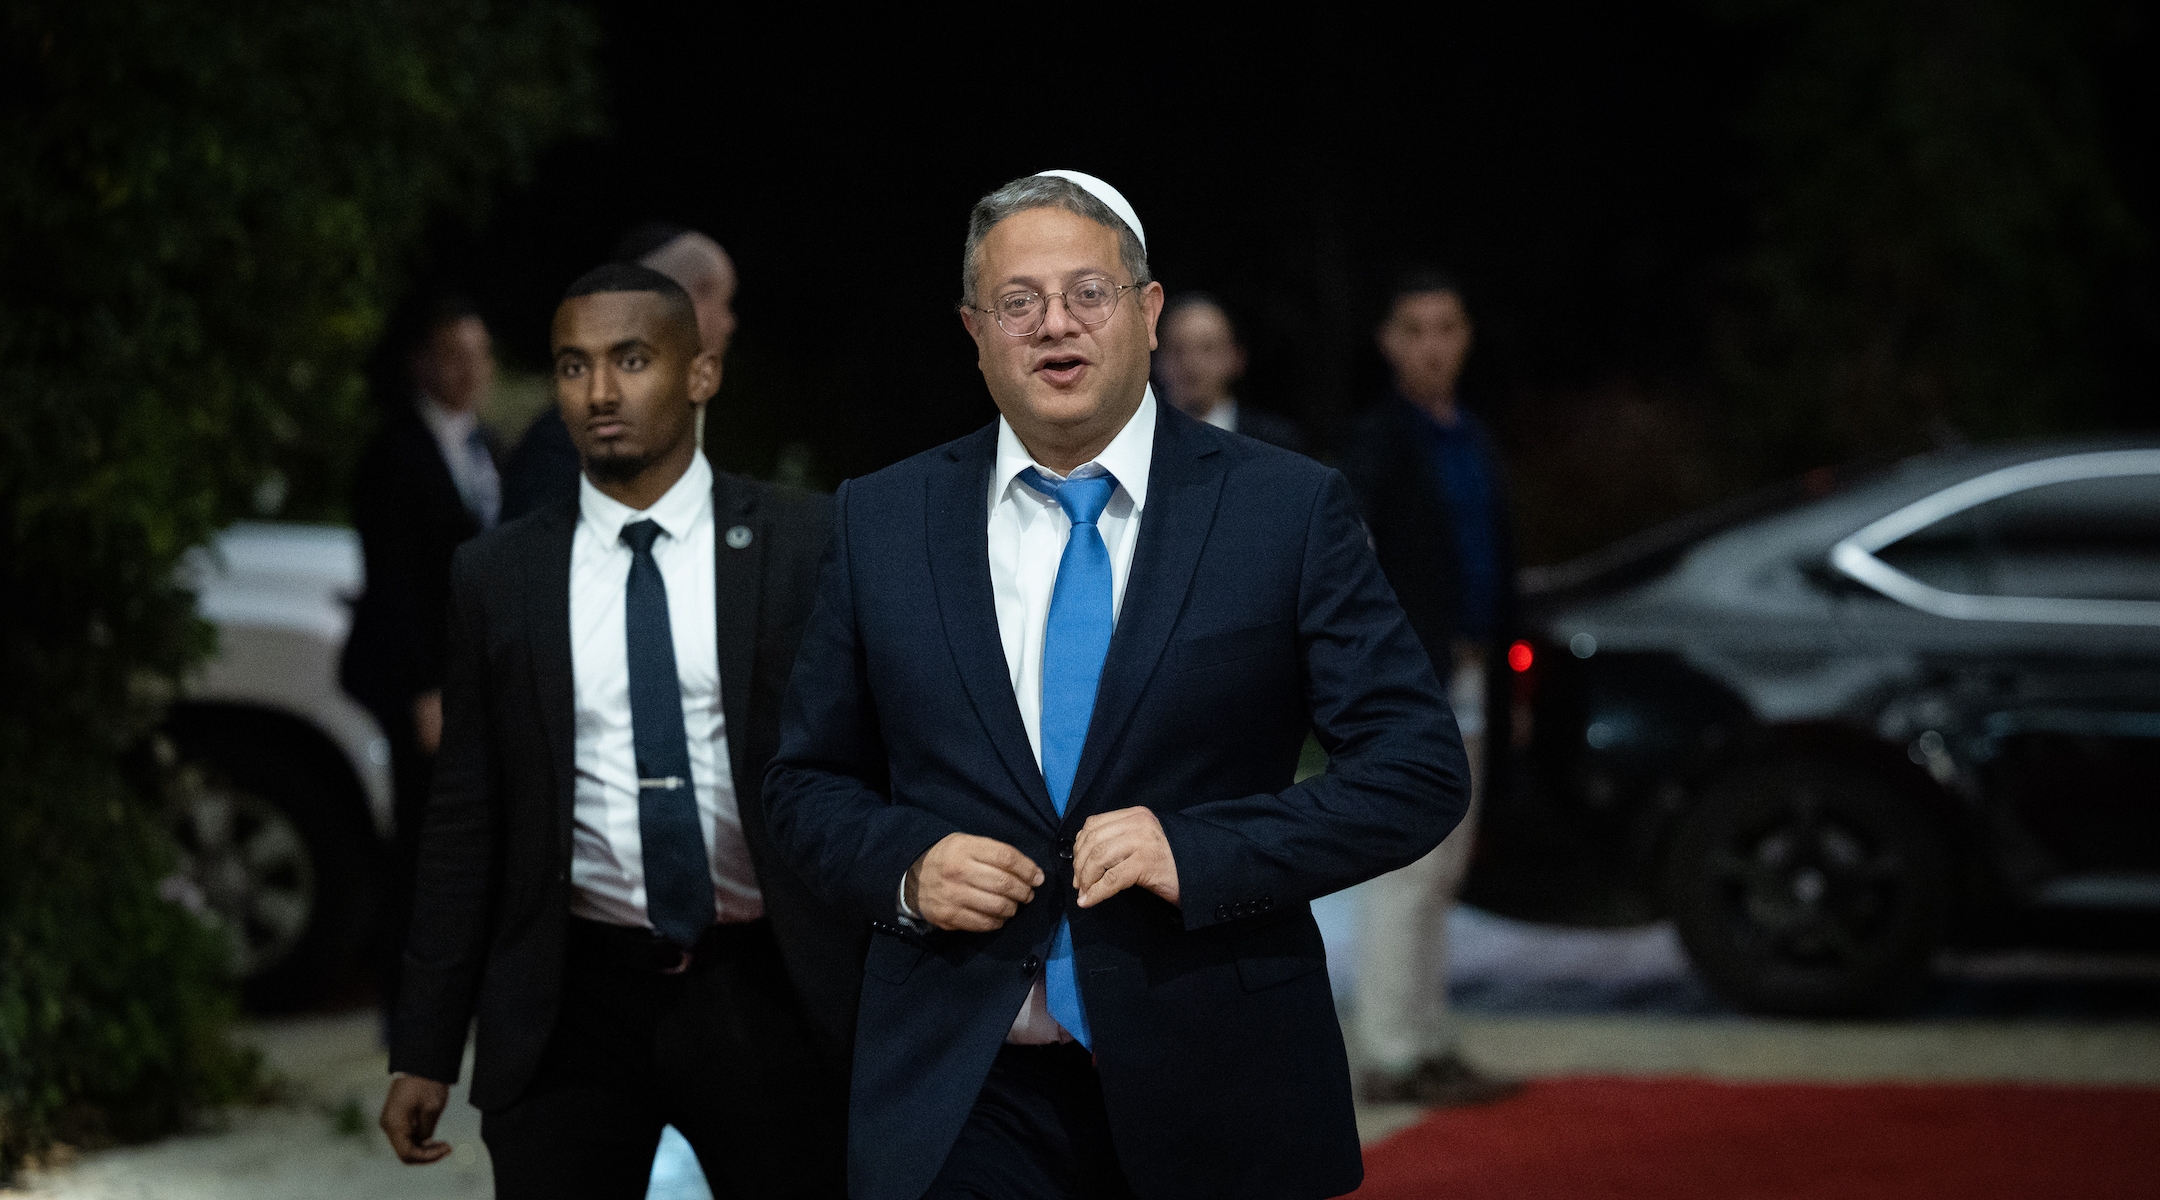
(411, 519)
(1253, 612)
(1412, 531)
(493, 903)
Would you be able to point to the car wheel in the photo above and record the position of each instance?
(277, 865)
(1808, 889)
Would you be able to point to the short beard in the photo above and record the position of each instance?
(623, 469)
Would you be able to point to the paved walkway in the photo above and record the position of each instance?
(1535, 1002)
(322, 1144)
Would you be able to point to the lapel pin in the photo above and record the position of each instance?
(738, 537)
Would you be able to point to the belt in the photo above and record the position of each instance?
(640, 949)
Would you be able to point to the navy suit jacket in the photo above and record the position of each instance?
(1253, 612)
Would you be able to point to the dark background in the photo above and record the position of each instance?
(1595, 173)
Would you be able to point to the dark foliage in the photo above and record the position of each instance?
(207, 208)
(1940, 232)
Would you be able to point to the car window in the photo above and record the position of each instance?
(2081, 539)
(1944, 555)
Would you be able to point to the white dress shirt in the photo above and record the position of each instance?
(1223, 416)
(607, 858)
(1028, 532)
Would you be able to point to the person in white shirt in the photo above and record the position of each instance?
(596, 883)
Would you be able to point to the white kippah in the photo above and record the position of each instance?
(1109, 196)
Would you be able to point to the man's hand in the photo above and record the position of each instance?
(427, 720)
(1122, 849)
(971, 883)
(409, 1116)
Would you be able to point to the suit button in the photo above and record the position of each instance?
(1030, 965)
(1065, 849)
(1222, 912)
(1267, 902)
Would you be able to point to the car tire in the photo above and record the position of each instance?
(1807, 888)
(273, 856)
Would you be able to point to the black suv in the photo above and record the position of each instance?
(1835, 730)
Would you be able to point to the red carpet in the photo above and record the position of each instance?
(1680, 1139)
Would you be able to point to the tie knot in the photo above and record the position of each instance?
(1082, 499)
(641, 535)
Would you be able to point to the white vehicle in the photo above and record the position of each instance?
(284, 808)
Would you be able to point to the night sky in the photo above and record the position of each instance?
(1581, 166)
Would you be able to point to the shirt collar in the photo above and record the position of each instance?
(675, 512)
(1127, 457)
(450, 428)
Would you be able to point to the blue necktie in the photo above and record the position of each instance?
(1075, 642)
(678, 877)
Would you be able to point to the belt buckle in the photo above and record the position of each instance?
(680, 966)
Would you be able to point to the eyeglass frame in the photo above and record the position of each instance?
(1117, 296)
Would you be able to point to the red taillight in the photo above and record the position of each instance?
(1520, 656)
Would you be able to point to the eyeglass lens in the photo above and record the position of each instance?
(1090, 301)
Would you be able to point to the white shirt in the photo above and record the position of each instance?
(607, 875)
(1027, 538)
(1223, 416)
(1028, 532)
(474, 475)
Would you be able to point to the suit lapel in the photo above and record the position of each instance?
(436, 469)
(739, 572)
(959, 543)
(1184, 483)
(547, 600)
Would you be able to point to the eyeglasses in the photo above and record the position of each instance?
(1090, 301)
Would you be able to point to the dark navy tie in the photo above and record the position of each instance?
(1075, 642)
(678, 877)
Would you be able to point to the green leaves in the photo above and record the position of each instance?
(209, 207)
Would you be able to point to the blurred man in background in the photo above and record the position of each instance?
(427, 483)
(544, 467)
(1429, 481)
(1200, 358)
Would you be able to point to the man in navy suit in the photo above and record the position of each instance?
(1042, 733)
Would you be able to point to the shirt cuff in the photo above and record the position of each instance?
(908, 916)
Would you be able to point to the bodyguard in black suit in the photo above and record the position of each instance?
(1201, 357)
(1098, 974)
(1429, 480)
(545, 465)
(424, 486)
(633, 951)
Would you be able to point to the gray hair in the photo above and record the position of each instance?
(1045, 191)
